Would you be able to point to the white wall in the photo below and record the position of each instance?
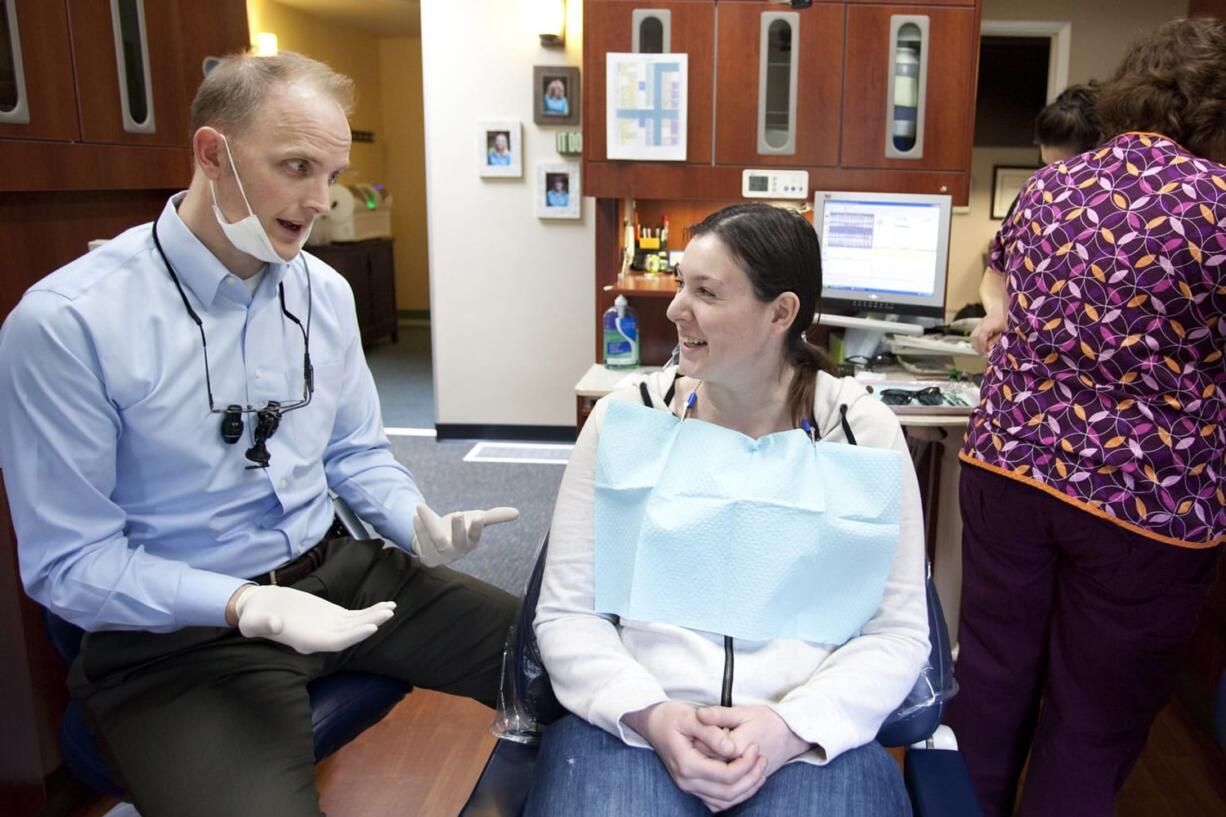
(511, 296)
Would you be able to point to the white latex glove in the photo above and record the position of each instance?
(440, 541)
(305, 622)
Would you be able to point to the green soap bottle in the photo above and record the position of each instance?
(621, 335)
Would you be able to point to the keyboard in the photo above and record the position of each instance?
(932, 345)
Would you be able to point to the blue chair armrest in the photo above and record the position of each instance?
(939, 784)
(505, 781)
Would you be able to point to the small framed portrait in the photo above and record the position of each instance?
(555, 93)
(558, 193)
(499, 149)
(1007, 182)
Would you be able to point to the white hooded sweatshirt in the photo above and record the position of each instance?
(834, 697)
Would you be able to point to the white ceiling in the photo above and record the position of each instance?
(384, 18)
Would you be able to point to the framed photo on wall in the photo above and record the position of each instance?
(555, 95)
(500, 148)
(558, 192)
(1007, 182)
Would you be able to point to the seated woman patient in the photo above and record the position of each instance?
(733, 599)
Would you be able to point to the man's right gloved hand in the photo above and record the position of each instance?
(305, 622)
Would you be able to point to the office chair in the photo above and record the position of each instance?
(342, 705)
(936, 777)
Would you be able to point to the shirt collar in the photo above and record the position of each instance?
(195, 265)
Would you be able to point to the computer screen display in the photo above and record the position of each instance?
(883, 252)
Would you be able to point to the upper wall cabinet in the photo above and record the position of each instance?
(779, 82)
(82, 82)
(627, 26)
(109, 71)
(129, 84)
(37, 96)
(914, 76)
(864, 95)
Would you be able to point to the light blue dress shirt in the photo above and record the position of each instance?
(131, 512)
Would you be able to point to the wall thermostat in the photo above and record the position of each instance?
(775, 184)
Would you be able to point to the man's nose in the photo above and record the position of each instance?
(320, 200)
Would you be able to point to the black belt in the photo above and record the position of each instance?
(294, 571)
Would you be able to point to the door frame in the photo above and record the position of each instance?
(1059, 32)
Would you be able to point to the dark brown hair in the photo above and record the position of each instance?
(1173, 82)
(1071, 121)
(238, 85)
(779, 252)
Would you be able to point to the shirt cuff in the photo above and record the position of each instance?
(820, 723)
(617, 700)
(202, 598)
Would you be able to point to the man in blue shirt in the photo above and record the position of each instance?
(177, 406)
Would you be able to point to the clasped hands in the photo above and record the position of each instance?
(308, 623)
(721, 755)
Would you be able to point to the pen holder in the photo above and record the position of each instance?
(650, 255)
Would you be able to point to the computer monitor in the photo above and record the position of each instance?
(883, 252)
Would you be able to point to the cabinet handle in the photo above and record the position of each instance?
(908, 88)
(651, 31)
(132, 58)
(14, 109)
(778, 57)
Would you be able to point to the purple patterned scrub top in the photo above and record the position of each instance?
(1105, 389)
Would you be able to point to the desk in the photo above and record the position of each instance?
(936, 464)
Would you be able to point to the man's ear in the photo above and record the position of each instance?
(783, 311)
(208, 152)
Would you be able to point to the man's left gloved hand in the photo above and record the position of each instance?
(440, 541)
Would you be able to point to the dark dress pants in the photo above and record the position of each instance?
(203, 721)
(1061, 606)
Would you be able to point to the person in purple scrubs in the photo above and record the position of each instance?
(1092, 487)
(1064, 128)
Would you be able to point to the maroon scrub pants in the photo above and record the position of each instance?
(1062, 606)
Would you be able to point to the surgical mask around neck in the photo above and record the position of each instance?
(247, 234)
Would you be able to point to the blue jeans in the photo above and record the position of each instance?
(583, 771)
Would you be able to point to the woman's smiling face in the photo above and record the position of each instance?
(725, 332)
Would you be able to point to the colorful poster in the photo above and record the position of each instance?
(645, 116)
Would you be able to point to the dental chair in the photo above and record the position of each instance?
(342, 705)
(933, 770)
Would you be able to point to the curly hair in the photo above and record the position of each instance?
(1071, 120)
(1171, 82)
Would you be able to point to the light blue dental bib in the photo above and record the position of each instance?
(703, 527)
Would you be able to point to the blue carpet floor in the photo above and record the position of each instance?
(403, 374)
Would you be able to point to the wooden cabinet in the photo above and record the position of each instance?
(842, 94)
(109, 91)
(369, 268)
(949, 109)
(608, 27)
(817, 48)
(38, 75)
(69, 172)
(100, 78)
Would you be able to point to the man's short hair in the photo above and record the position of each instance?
(239, 84)
(1172, 82)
